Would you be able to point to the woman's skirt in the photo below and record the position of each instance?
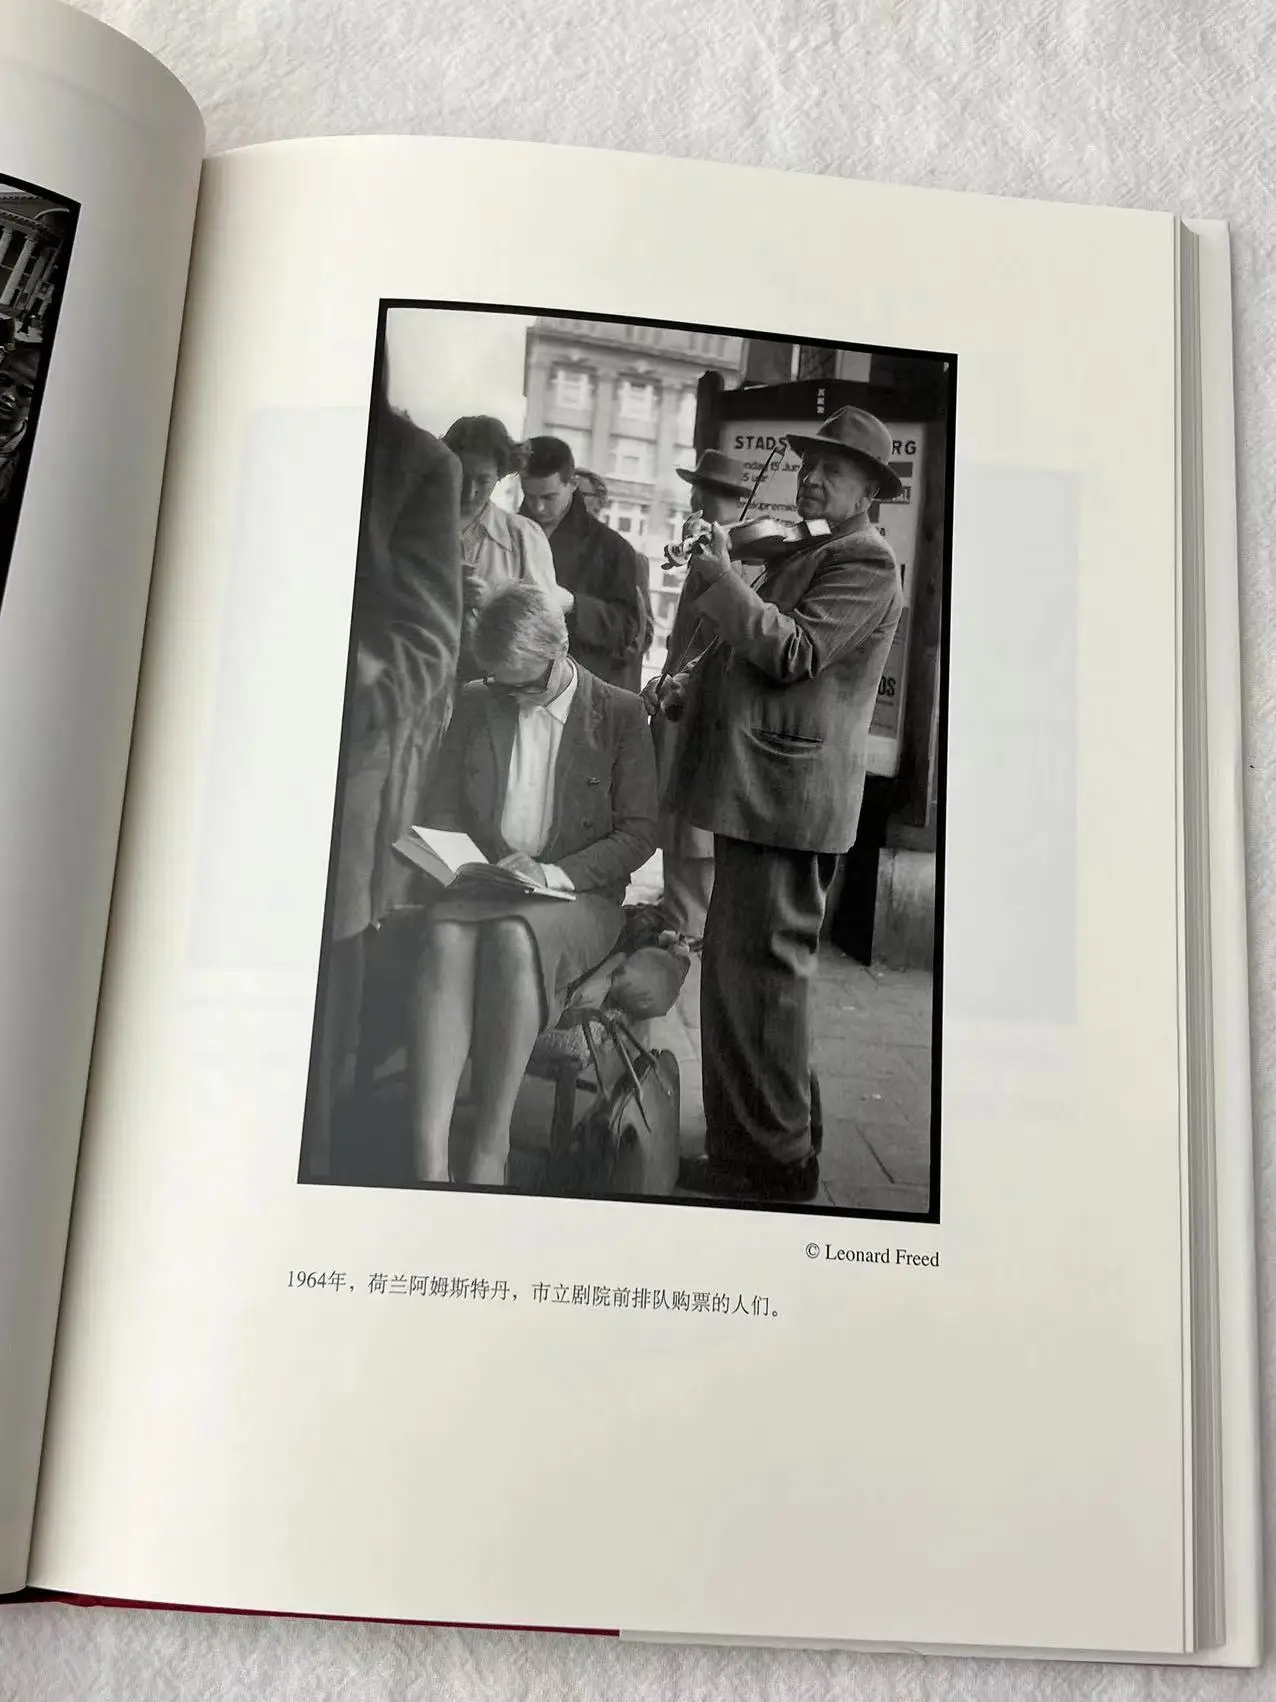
(570, 939)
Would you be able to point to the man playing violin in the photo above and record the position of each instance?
(772, 761)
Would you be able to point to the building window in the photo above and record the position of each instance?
(576, 440)
(633, 458)
(686, 433)
(638, 400)
(629, 518)
(573, 388)
(15, 285)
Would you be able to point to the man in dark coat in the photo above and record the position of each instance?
(406, 630)
(719, 485)
(407, 619)
(603, 580)
(772, 762)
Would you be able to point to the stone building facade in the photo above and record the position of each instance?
(31, 236)
(623, 396)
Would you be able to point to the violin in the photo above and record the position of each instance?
(760, 540)
(754, 541)
(750, 540)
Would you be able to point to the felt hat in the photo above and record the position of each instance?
(863, 438)
(718, 472)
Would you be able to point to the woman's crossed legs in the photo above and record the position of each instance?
(477, 996)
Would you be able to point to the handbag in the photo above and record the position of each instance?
(627, 1142)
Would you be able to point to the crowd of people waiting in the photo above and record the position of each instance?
(495, 690)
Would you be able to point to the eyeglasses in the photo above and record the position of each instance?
(520, 688)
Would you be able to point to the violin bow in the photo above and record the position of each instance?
(695, 631)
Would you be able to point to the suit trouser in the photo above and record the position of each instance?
(760, 950)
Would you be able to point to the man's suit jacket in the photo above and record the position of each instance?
(774, 743)
(408, 588)
(604, 821)
(608, 579)
(407, 619)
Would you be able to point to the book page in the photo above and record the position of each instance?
(917, 1404)
(456, 849)
(99, 168)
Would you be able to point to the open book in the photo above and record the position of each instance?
(306, 1305)
(454, 860)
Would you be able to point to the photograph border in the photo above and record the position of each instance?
(390, 304)
(19, 486)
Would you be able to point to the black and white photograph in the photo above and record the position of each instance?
(36, 229)
(636, 885)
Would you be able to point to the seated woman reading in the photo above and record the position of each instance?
(551, 773)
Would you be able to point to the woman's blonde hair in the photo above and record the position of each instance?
(520, 628)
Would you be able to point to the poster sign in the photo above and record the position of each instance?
(753, 442)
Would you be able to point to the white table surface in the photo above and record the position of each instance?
(1153, 103)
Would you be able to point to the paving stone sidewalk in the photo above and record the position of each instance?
(872, 1051)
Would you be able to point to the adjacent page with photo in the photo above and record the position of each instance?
(100, 154)
(386, 1362)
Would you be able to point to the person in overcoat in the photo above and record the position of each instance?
(719, 485)
(550, 772)
(496, 546)
(772, 762)
(602, 578)
(406, 626)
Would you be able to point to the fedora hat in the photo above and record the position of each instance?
(720, 472)
(863, 437)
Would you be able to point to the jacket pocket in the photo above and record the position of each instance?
(789, 742)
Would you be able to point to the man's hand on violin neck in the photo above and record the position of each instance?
(712, 559)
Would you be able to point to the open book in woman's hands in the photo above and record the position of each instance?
(454, 860)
